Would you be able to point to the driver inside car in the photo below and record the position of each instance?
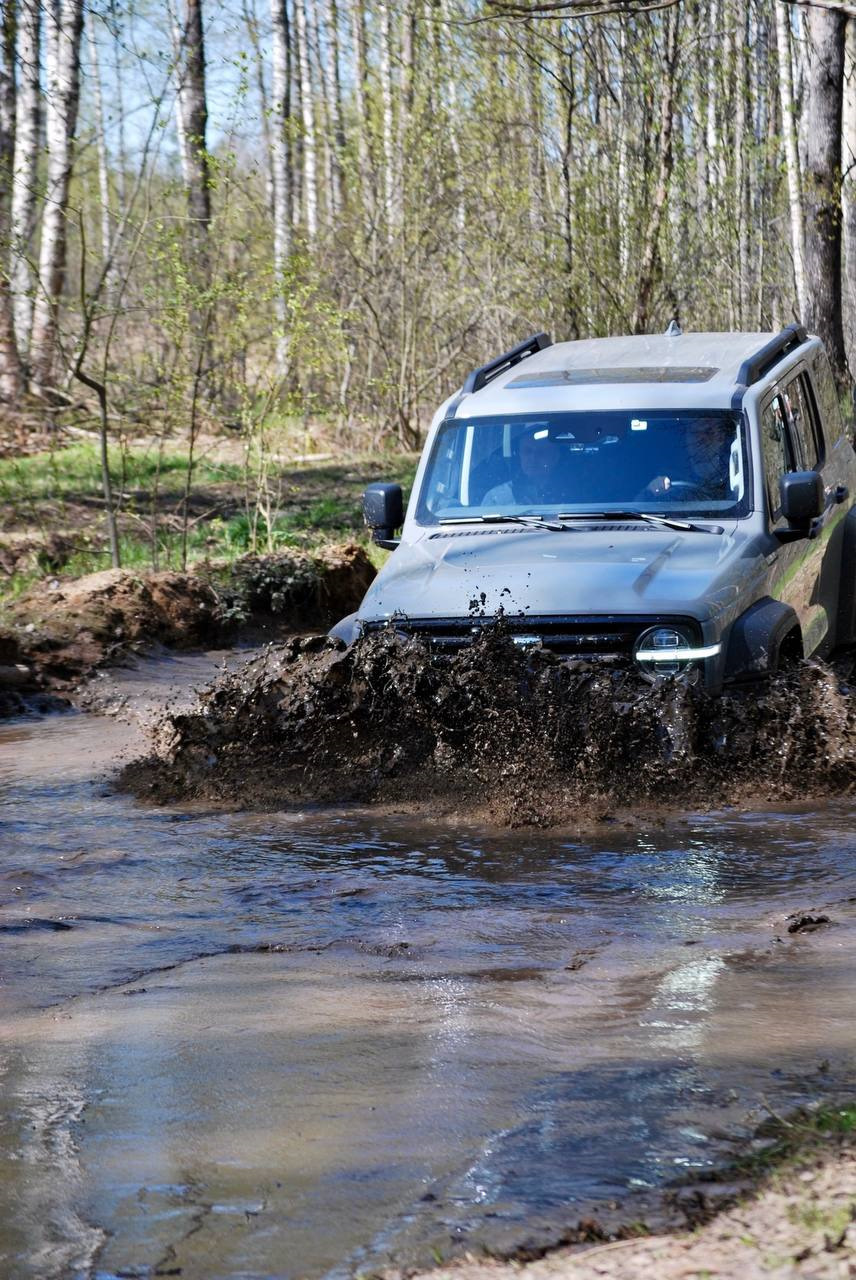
(707, 444)
(536, 475)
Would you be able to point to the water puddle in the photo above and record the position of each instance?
(320, 1042)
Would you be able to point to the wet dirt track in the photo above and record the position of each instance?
(317, 1042)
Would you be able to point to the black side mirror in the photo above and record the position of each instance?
(383, 512)
(803, 500)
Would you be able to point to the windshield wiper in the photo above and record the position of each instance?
(668, 522)
(531, 521)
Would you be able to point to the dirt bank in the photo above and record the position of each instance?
(797, 1221)
(59, 633)
(521, 738)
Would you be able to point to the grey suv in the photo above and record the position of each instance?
(686, 501)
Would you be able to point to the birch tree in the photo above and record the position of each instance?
(11, 376)
(64, 24)
(307, 110)
(192, 121)
(792, 162)
(848, 188)
(24, 189)
(280, 165)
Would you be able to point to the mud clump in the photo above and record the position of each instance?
(520, 737)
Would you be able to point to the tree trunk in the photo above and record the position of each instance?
(280, 166)
(307, 108)
(848, 189)
(361, 102)
(792, 160)
(192, 121)
(650, 268)
(64, 20)
(823, 184)
(385, 71)
(103, 163)
(24, 184)
(11, 375)
(740, 17)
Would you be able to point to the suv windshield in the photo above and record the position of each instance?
(687, 462)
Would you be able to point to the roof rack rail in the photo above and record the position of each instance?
(481, 377)
(757, 366)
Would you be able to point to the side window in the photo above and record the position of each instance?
(797, 399)
(827, 398)
(778, 458)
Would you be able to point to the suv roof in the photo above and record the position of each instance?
(691, 370)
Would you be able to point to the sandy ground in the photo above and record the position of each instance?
(802, 1224)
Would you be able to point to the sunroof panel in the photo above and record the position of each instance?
(619, 374)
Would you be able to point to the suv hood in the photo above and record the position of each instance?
(620, 568)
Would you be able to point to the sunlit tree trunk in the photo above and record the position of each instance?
(650, 256)
(385, 72)
(280, 167)
(11, 374)
(792, 159)
(192, 120)
(307, 109)
(823, 179)
(64, 24)
(101, 149)
(24, 185)
(848, 189)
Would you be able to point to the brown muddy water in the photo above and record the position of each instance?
(331, 1041)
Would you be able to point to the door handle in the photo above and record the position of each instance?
(841, 493)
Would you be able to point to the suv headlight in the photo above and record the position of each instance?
(667, 651)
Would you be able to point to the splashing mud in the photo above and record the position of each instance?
(522, 737)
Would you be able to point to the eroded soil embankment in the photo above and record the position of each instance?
(63, 631)
(524, 738)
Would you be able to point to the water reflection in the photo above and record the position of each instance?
(432, 1045)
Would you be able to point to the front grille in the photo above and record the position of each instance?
(568, 635)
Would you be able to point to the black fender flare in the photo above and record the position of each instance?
(845, 624)
(756, 638)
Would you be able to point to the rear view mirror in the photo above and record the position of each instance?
(383, 512)
(803, 498)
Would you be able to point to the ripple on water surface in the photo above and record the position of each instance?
(403, 1038)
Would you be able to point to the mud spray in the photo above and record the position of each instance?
(521, 737)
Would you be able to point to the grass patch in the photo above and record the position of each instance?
(75, 470)
(57, 496)
(790, 1141)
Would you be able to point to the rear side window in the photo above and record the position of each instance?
(827, 398)
(807, 441)
(778, 458)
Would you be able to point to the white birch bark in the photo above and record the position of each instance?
(385, 73)
(740, 175)
(792, 159)
(327, 69)
(64, 23)
(361, 102)
(28, 116)
(623, 195)
(101, 150)
(280, 171)
(307, 109)
(713, 155)
(192, 120)
(11, 374)
(448, 70)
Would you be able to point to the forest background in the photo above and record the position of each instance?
(238, 236)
